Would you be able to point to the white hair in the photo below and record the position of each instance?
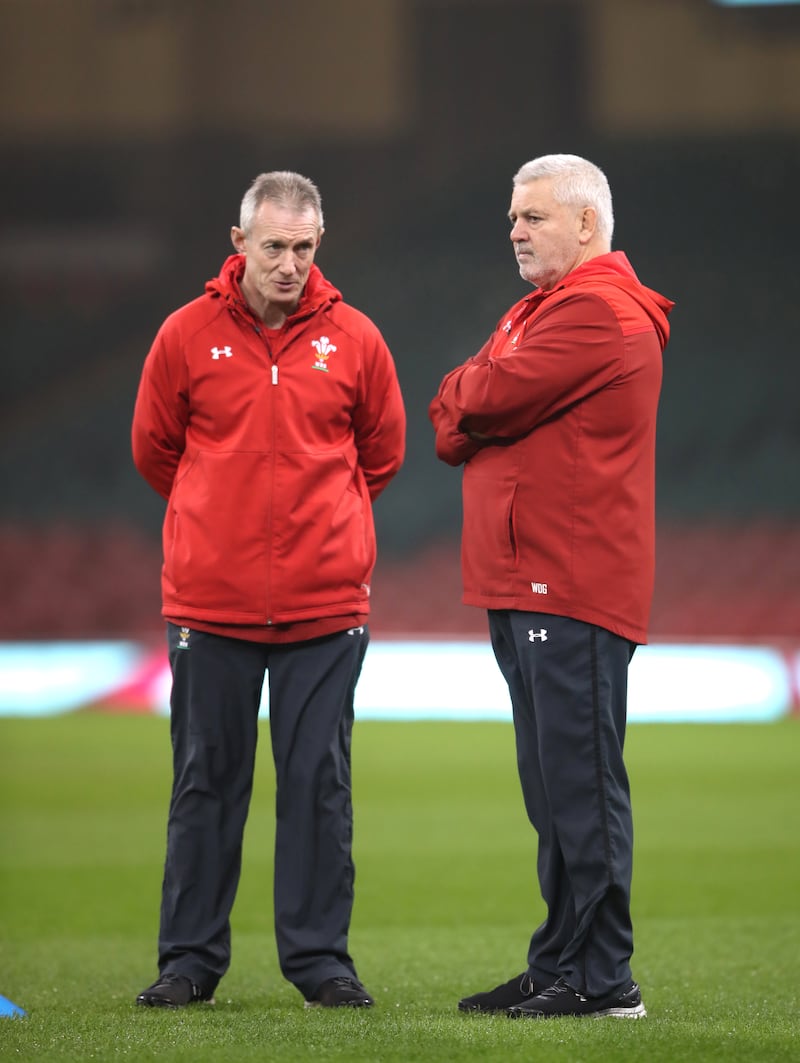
(284, 187)
(575, 181)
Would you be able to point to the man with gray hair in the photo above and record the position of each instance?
(269, 416)
(554, 421)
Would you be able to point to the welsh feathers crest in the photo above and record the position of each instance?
(324, 349)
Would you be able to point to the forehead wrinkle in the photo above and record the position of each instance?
(532, 190)
(283, 225)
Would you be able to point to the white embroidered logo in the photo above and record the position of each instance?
(534, 635)
(217, 351)
(324, 349)
(539, 588)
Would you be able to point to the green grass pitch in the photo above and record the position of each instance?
(445, 900)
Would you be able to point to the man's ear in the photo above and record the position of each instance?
(588, 224)
(238, 238)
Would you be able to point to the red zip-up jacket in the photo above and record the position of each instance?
(559, 503)
(269, 447)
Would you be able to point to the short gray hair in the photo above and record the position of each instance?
(575, 181)
(284, 187)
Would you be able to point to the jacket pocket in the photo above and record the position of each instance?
(324, 542)
(490, 541)
(216, 535)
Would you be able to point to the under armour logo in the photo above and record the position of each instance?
(534, 635)
(355, 631)
(217, 351)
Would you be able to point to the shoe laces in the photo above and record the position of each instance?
(345, 982)
(173, 978)
(560, 986)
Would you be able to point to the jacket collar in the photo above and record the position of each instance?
(317, 294)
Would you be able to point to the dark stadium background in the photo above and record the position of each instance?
(130, 129)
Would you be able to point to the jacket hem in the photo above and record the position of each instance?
(624, 629)
(217, 616)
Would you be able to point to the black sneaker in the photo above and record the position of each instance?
(503, 997)
(173, 991)
(341, 993)
(561, 999)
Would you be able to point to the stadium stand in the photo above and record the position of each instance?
(716, 581)
(79, 532)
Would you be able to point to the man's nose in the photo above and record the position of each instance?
(288, 263)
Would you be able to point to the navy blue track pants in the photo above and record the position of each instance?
(568, 686)
(216, 693)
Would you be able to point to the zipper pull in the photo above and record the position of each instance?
(274, 374)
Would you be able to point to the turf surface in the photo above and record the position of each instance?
(445, 900)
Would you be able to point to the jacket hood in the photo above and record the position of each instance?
(317, 294)
(615, 269)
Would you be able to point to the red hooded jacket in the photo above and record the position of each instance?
(269, 446)
(559, 501)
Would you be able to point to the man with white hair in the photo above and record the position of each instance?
(554, 420)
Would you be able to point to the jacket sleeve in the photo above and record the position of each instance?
(570, 351)
(454, 446)
(379, 419)
(161, 414)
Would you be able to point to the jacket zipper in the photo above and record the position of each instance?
(274, 378)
